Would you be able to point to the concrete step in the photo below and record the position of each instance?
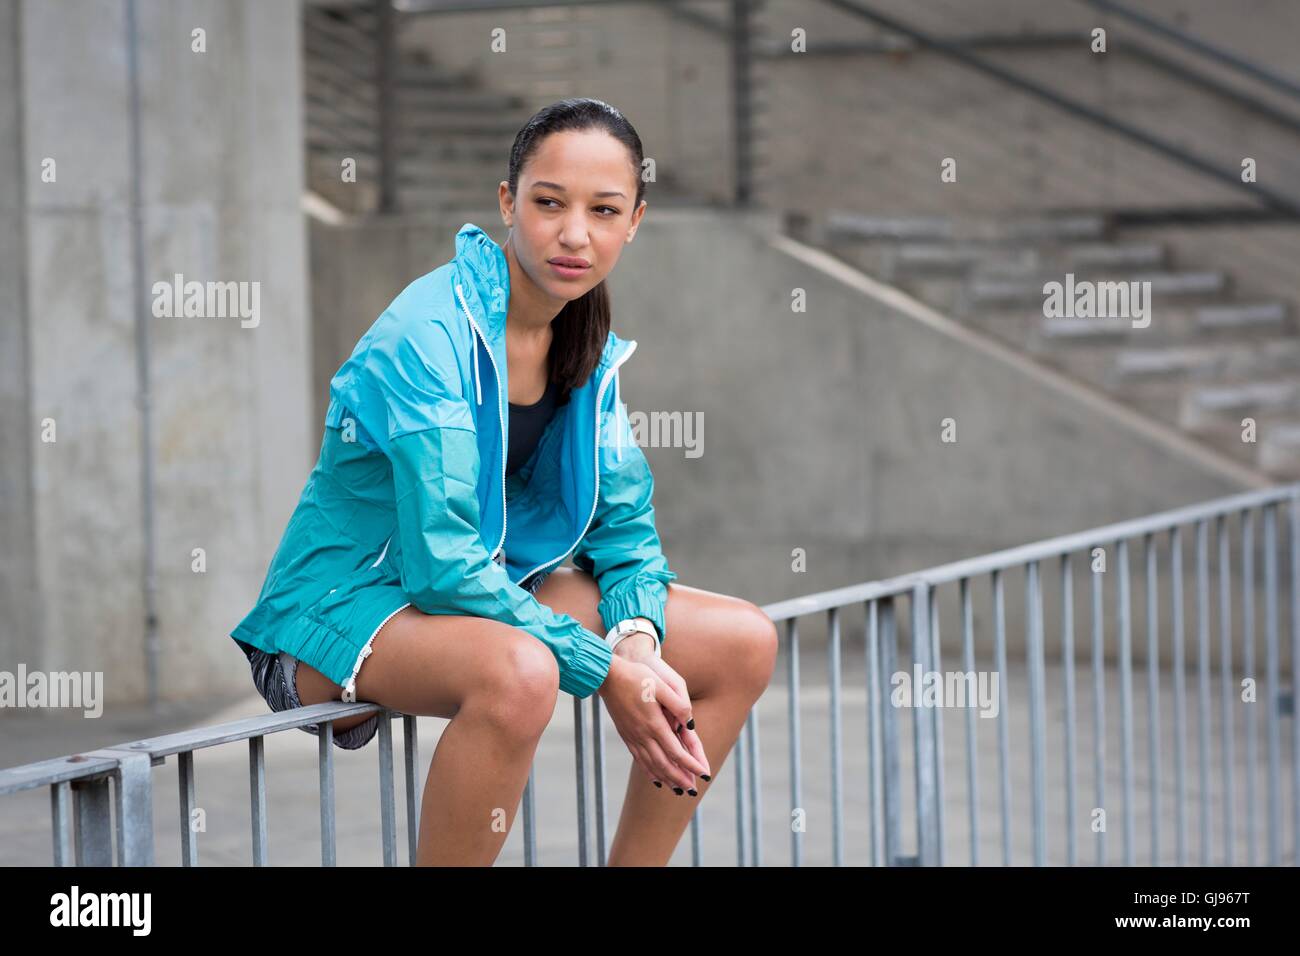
(1209, 405)
(1275, 449)
(844, 227)
(1279, 447)
(987, 291)
(1174, 325)
(853, 227)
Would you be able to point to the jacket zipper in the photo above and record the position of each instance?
(500, 417)
(600, 395)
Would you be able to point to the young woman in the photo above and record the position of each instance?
(474, 440)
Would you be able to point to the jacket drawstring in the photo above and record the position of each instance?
(478, 388)
(618, 426)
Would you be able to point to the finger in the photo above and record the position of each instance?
(668, 771)
(642, 760)
(695, 747)
(677, 704)
(673, 749)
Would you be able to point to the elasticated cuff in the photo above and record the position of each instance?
(638, 596)
(587, 667)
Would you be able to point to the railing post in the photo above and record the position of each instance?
(924, 724)
(889, 735)
(134, 806)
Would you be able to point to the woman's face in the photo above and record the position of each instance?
(574, 202)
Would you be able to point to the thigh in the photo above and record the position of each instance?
(712, 639)
(427, 664)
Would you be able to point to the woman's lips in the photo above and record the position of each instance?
(567, 271)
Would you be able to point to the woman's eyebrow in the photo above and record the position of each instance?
(542, 184)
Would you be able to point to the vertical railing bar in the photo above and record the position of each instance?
(1248, 668)
(134, 782)
(1225, 677)
(1123, 607)
(92, 807)
(697, 852)
(1204, 707)
(936, 665)
(792, 720)
(387, 790)
(1004, 716)
(185, 781)
(755, 789)
(875, 769)
(742, 834)
(598, 756)
(1037, 708)
(1180, 695)
(927, 850)
(892, 777)
(1099, 707)
(325, 749)
(1272, 696)
(837, 769)
(257, 797)
(972, 742)
(62, 823)
(1294, 514)
(530, 817)
(1067, 658)
(1153, 691)
(580, 777)
(410, 757)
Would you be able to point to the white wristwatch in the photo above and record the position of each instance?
(629, 626)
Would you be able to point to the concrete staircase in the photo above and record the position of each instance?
(448, 129)
(1212, 355)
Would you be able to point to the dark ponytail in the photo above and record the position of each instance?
(581, 328)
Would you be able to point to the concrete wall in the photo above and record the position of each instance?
(220, 179)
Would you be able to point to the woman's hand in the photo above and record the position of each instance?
(647, 700)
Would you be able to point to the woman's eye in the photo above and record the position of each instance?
(610, 208)
(545, 200)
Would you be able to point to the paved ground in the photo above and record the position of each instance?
(222, 782)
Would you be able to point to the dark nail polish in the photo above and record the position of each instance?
(705, 776)
(659, 785)
(692, 792)
(679, 728)
(678, 791)
(690, 724)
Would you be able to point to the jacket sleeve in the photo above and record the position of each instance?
(621, 548)
(445, 568)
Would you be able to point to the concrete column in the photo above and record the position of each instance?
(219, 176)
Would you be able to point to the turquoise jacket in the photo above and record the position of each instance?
(408, 501)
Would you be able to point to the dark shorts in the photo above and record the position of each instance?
(275, 677)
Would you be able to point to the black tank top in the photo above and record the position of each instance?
(527, 422)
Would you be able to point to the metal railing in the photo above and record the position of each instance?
(82, 813)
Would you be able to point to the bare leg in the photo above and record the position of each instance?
(653, 819)
(498, 686)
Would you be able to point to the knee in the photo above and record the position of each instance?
(520, 686)
(758, 644)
